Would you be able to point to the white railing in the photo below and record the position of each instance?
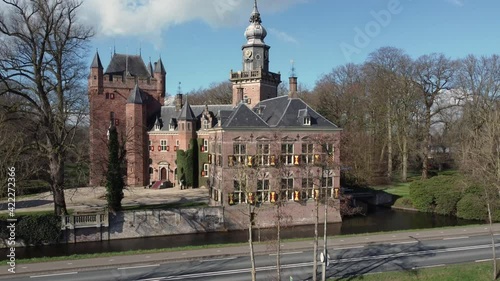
(84, 219)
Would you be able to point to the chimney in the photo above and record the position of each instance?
(178, 102)
(292, 81)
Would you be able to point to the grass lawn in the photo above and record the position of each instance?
(399, 189)
(462, 272)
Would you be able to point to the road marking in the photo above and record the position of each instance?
(483, 260)
(221, 259)
(455, 238)
(404, 242)
(139, 266)
(287, 253)
(347, 248)
(430, 266)
(55, 274)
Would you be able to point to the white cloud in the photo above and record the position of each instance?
(283, 36)
(148, 18)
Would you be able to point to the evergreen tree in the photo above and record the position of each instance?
(114, 177)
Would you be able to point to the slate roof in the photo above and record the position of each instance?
(132, 64)
(186, 113)
(289, 112)
(135, 96)
(243, 116)
(169, 114)
(280, 112)
(159, 68)
(96, 62)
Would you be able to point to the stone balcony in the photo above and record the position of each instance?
(255, 74)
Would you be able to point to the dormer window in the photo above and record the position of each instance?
(307, 121)
(171, 125)
(205, 124)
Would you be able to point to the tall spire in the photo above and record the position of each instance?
(96, 62)
(255, 16)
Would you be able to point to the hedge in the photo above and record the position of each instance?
(35, 229)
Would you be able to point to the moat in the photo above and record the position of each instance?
(380, 220)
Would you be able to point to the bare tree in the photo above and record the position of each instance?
(216, 93)
(478, 79)
(246, 175)
(433, 74)
(41, 62)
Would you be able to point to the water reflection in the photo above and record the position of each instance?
(381, 220)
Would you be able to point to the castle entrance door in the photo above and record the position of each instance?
(163, 174)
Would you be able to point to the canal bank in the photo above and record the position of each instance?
(382, 220)
(334, 243)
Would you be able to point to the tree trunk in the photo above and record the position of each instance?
(278, 240)
(427, 144)
(315, 251)
(56, 165)
(404, 172)
(492, 240)
(250, 242)
(389, 142)
(325, 240)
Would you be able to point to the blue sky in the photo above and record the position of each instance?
(200, 41)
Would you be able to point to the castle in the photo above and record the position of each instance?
(259, 148)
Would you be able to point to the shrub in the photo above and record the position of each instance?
(36, 229)
(472, 207)
(438, 194)
(422, 195)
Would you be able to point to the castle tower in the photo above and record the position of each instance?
(186, 126)
(161, 83)
(109, 91)
(255, 82)
(95, 91)
(137, 153)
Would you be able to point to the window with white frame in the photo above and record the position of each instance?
(205, 125)
(239, 195)
(205, 145)
(327, 181)
(307, 121)
(308, 186)
(328, 148)
(263, 154)
(307, 153)
(151, 145)
(206, 168)
(286, 188)
(263, 190)
(287, 153)
(240, 153)
(163, 145)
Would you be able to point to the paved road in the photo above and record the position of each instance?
(349, 255)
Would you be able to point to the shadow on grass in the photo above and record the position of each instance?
(26, 204)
